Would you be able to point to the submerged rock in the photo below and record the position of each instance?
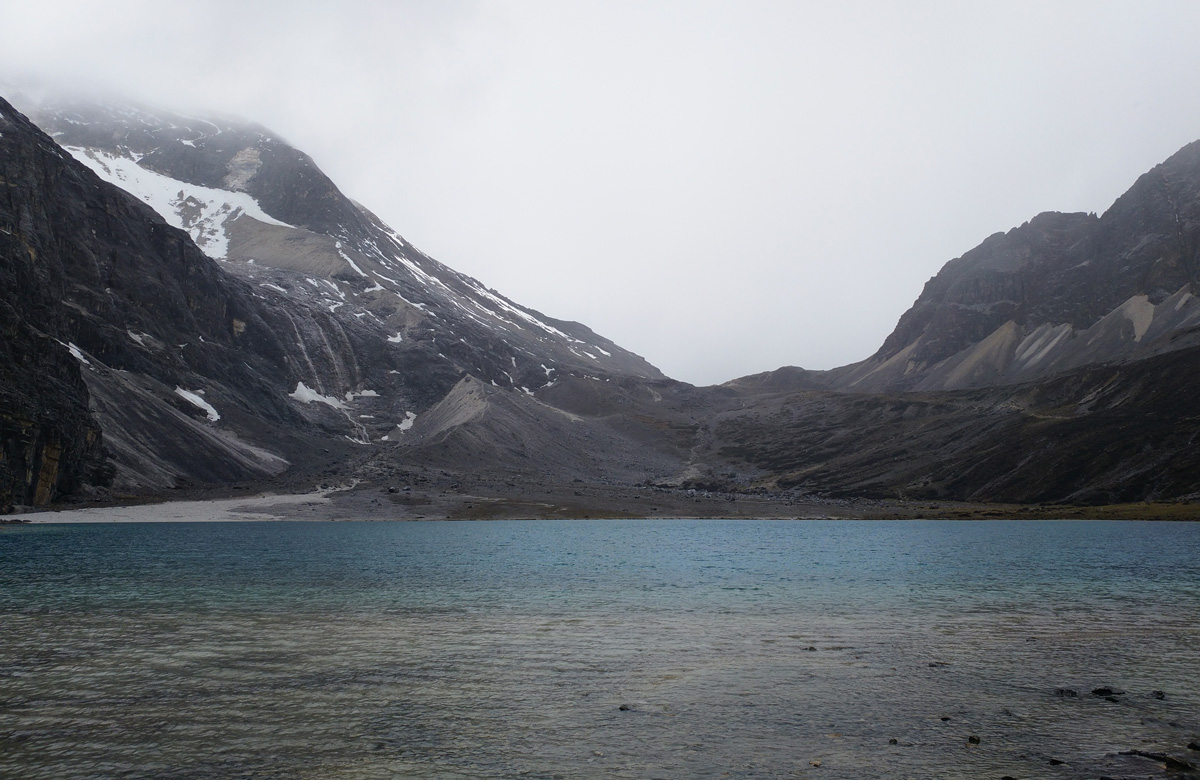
(1106, 692)
(1176, 764)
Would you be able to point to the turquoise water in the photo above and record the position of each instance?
(578, 649)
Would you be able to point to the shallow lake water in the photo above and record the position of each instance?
(580, 649)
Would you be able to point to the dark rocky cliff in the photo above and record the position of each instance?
(135, 363)
(985, 314)
(1000, 280)
(1094, 435)
(1054, 362)
(89, 274)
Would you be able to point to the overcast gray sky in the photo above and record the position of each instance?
(722, 187)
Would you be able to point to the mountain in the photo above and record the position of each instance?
(1059, 292)
(249, 199)
(1107, 433)
(128, 339)
(1054, 362)
(190, 303)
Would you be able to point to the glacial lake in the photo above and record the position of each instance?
(597, 649)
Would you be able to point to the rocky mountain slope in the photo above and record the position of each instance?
(191, 302)
(1099, 434)
(264, 208)
(136, 361)
(1059, 292)
(1054, 362)
(128, 338)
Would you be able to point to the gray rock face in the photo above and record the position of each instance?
(47, 437)
(137, 363)
(1093, 435)
(264, 207)
(189, 303)
(1050, 363)
(1059, 292)
(85, 265)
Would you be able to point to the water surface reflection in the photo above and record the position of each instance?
(598, 649)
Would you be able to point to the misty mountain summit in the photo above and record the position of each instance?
(191, 303)
(318, 320)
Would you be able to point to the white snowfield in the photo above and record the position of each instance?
(76, 353)
(347, 258)
(195, 400)
(204, 212)
(402, 426)
(307, 395)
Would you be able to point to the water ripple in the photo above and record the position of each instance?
(708, 649)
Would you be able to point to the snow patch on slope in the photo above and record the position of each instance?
(1140, 313)
(338, 245)
(204, 212)
(195, 400)
(305, 394)
(76, 353)
(402, 426)
(510, 308)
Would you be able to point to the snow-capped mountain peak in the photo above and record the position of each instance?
(266, 210)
